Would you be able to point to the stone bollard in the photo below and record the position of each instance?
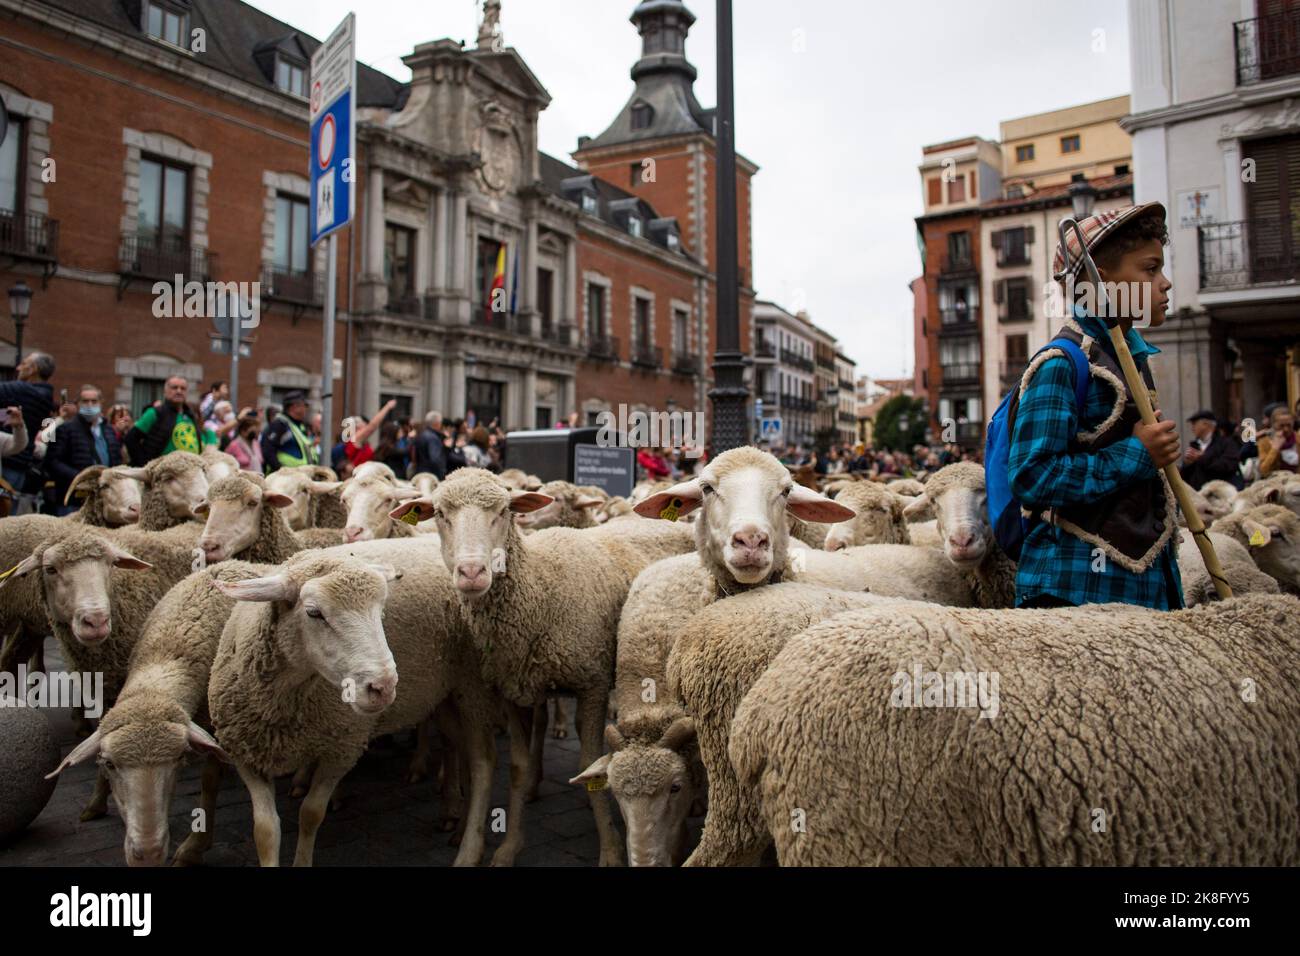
(28, 751)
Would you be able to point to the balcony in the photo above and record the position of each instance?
(969, 432)
(685, 363)
(957, 321)
(961, 373)
(647, 356)
(521, 324)
(763, 349)
(148, 258)
(848, 418)
(301, 289)
(1267, 47)
(826, 362)
(1251, 252)
(31, 237)
(796, 360)
(951, 264)
(603, 347)
(481, 316)
(768, 399)
(560, 334)
(406, 303)
(846, 385)
(1010, 372)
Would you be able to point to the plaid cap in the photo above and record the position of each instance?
(1095, 231)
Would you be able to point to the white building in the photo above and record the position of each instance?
(1216, 138)
(784, 372)
(846, 406)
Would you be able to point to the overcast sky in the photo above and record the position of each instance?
(836, 129)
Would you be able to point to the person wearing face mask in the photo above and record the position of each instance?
(84, 440)
(246, 448)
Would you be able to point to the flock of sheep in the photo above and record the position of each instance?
(739, 654)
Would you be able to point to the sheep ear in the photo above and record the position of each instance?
(86, 749)
(81, 484)
(21, 569)
(421, 508)
(588, 501)
(594, 776)
(128, 561)
(386, 571)
(614, 738)
(406, 494)
(522, 502)
(1256, 534)
(202, 742)
(277, 587)
(679, 733)
(126, 472)
(680, 499)
(276, 500)
(324, 487)
(919, 509)
(201, 509)
(808, 505)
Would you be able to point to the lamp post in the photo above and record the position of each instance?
(1082, 198)
(729, 393)
(20, 304)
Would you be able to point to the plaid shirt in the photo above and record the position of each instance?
(1045, 473)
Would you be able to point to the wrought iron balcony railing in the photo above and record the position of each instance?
(604, 347)
(298, 288)
(647, 356)
(29, 236)
(960, 373)
(1267, 47)
(149, 257)
(1249, 252)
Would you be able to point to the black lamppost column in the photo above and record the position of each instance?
(729, 394)
(20, 304)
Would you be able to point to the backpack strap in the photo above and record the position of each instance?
(1079, 359)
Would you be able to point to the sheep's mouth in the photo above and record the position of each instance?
(966, 558)
(153, 856)
(92, 636)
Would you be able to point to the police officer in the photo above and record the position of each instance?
(287, 442)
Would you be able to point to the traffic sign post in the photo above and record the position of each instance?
(332, 204)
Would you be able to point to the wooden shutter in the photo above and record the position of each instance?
(1029, 235)
(1273, 208)
(935, 186)
(997, 240)
(999, 291)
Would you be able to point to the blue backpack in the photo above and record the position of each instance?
(1009, 525)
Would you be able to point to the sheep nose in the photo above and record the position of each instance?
(962, 539)
(833, 544)
(471, 576)
(97, 620)
(133, 511)
(749, 540)
(383, 689)
(353, 532)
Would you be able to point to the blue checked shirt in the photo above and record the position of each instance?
(1045, 474)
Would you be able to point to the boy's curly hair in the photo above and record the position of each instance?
(1128, 237)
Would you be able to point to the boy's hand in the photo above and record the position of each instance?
(1160, 440)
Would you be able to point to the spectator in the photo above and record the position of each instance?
(84, 440)
(1209, 456)
(476, 449)
(357, 431)
(246, 448)
(120, 420)
(218, 391)
(35, 396)
(172, 425)
(430, 452)
(393, 449)
(15, 440)
(286, 443)
(222, 421)
(1278, 450)
(653, 463)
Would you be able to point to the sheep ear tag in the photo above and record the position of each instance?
(411, 517)
(10, 571)
(597, 783)
(1257, 540)
(670, 512)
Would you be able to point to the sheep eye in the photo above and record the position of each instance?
(785, 493)
(51, 571)
(315, 612)
(675, 788)
(706, 489)
(252, 504)
(109, 765)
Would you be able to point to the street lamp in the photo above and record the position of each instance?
(1082, 198)
(20, 304)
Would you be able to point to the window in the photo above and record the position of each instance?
(1070, 144)
(399, 261)
(641, 323)
(144, 392)
(291, 77)
(682, 330)
(958, 247)
(642, 116)
(1025, 153)
(674, 243)
(11, 167)
(595, 312)
(934, 189)
(957, 190)
(290, 234)
(166, 23)
(1017, 299)
(545, 298)
(634, 226)
(1012, 245)
(1017, 352)
(589, 204)
(1121, 169)
(485, 270)
(163, 216)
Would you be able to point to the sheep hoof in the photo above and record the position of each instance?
(559, 733)
(447, 824)
(298, 792)
(93, 812)
(611, 857)
(187, 855)
(415, 776)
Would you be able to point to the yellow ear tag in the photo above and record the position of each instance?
(10, 571)
(670, 513)
(1257, 539)
(596, 783)
(411, 517)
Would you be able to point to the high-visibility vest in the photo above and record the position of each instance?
(306, 452)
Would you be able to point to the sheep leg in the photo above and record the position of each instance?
(450, 793)
(419, 767)
(98, 805)
(478, 750)
(520, 773)
(312, 812)
(190, 853)
(560, 718)
(592, 704)
(266, 819)
(301, 781)
(536, 750)
(36, 664)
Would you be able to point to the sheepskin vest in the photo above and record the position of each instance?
(1131, 525)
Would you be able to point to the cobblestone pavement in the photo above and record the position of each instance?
(383, 820)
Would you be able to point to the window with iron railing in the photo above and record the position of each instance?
(1268, 46)
(162, 216)
(399, 262)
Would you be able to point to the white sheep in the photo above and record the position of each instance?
(110, 498)
(369, 501)
(217, 464)
(308, 486)
(1271, 536)
(543, 612)
(1220, 494)
(1278, 489)
(878, 517)
(173, 486)
(1238, 569)
(244, 520)
(570, 507)
(308, 670)
(1126, 737)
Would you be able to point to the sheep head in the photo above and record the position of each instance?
(179, 477)
(570, 508)
(956, 498)
(218, 464)
(76, 584)
(142, 744)
(300, 485)
(118, 489)
(1272, 535)
(1281, 490)
(233, 510)
(330, 620)
(369, 502)
(653, 780)
(879, 517)
(474, 514)
(743, 497)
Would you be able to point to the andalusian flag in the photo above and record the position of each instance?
(498, 281)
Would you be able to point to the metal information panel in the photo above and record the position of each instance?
(611, 469)
(333, 131)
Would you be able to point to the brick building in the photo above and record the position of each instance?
(178, 131)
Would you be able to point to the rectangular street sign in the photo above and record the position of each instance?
(611, 469)
(770, 429)
(221, 346)
(333, 127)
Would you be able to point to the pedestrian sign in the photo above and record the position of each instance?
(333, 131)
(770, 429)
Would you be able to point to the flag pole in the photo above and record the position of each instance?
(1142, 398)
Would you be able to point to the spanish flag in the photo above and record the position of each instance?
(498, 282)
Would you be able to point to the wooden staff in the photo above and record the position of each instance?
(1137, 388)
